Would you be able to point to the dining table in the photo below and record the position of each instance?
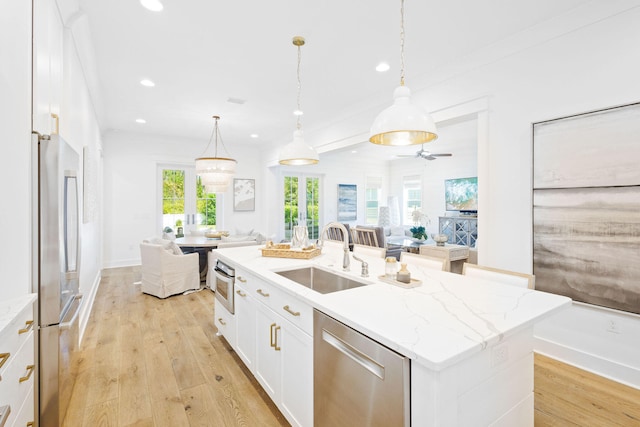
(200, 245)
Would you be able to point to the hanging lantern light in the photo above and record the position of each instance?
(403, 123)
(297, 152)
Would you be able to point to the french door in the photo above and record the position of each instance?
(301, 204)
(184, 204)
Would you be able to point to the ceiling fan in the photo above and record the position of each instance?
(424, 154)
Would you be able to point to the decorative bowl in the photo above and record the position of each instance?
(440, 239)
(213, 234)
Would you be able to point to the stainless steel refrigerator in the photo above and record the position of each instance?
(56, 265)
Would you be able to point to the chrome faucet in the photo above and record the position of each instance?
(365, 267)
(345, 236)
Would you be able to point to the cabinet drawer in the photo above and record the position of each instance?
(26, 414)
(14, 336)
(225, 322)
(18, 378)
(286, 305)
(246, 282)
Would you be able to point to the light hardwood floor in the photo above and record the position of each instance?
(152, 362)
(569, 396)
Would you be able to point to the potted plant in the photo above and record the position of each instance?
(418, 231)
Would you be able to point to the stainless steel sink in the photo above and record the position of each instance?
(320, 280)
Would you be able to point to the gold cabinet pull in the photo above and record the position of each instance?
(222, 322)
(242, 294)
(27, 327)
(288, 310)
(271, 344)
(275, 333)
(30, 424)
(3, 358)
(29, 372)
(242, 279)
(261, 292)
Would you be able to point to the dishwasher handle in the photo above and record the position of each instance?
(354, 354)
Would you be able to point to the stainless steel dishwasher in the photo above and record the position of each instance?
(356, 380)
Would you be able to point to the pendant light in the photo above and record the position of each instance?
(215, 172)
(403, 123)
(297, 152)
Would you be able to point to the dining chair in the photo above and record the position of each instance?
(370, 251)
(365, 237)
(522, 280)
(423, 261)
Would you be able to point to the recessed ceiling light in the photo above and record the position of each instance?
(298, 113)
(254, 135)
(153, 5)
(236, 100)
(354, 151)
(147, 83)
(382, 67)
(141, 121)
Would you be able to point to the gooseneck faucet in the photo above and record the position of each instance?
(345, 237)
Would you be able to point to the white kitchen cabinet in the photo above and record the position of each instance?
(48, 42)
(225, 322)
(284, 365)
(245, 315)
(17, 355)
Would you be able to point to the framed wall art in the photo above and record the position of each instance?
(244, 195)
(347, 202)
(586, 207)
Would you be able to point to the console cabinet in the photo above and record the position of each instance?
(461, 230)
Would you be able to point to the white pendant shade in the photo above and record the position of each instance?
(403, 123)
(298, 153)
(215, 173)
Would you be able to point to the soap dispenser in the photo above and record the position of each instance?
(403, 275)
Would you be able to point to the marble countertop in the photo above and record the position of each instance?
(441, 322)
(9, 309)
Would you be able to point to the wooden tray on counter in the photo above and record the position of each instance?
(291, 253)
(413, 284)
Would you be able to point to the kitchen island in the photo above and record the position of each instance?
(470, 341)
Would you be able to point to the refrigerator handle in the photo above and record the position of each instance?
(67, 325)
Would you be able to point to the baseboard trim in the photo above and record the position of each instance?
(595, 364)
(87, 305)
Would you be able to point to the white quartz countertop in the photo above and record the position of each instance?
(441, 322)
(9, 309)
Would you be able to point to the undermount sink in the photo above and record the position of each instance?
(320, 280)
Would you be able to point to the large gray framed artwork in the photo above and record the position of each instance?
(586, 207)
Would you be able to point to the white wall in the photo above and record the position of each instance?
(131, 190)
(15, 173)
(459, 138)
(589, 63)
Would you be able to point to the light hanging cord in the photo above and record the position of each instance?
(403, 123)
(297, 152)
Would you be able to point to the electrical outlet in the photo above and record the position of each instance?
(499, 354)
(612, 326)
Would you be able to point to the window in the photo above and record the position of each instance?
(301, 205)
(411, 196)
(185, 202)
(373, 189)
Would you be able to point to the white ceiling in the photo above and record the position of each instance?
(200, 53)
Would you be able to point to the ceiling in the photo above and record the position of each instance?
(203, 53)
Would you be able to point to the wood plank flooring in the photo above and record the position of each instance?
(569, 396)
(145, 361)
(152, 362)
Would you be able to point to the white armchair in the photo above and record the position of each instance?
(166, 273)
